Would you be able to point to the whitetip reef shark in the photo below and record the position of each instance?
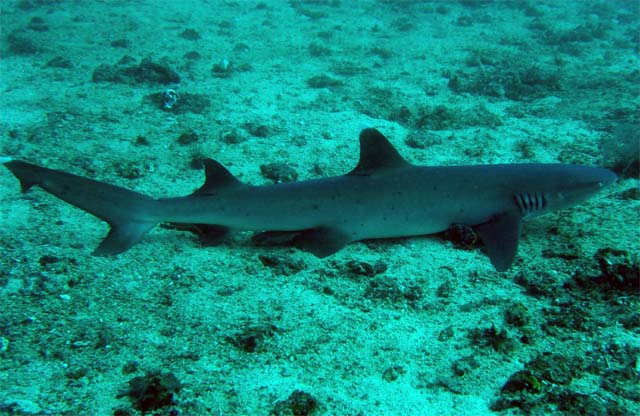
(384, 196)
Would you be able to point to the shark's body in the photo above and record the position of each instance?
(384, 196)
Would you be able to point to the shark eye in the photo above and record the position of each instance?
(529, 203)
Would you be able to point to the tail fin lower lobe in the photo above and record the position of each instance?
(129, 213)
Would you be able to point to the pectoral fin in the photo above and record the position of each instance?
(500, 236)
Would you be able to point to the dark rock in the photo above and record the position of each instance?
(437, 118)
(299, 403)
(186, 103)
(48, 260)
(631, 194)
(59, 62)
(316, 50)
(21, 44)
(554, 368)
(241, 47)
(252, 339)
(257, 130)
(146, 72)
(570, 316)
(361, 268)
(281, 265)
(222, 69)
(127, 60)
(422, 139)
(446, 334)
(131, 169)
(462, 236)
(465, 365)
(38, 24)
(618, 271)
(190, 34)
(521, 381)
(142, 141)
(233, 136)
(381, 52)
(445, 289)
(152, 391)
(25, 5)
(279, 172)
(621, 149)
(381, 289)
(188, 138)
(107, 73)
(500, 341)
(121, 43)
(516, 315)
(152, 72)
(192, 55)
(324, 81)
(393, 373)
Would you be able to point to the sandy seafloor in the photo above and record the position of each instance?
(405, 327)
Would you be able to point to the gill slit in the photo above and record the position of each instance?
(528, 202)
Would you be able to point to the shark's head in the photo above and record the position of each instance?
(562, 186)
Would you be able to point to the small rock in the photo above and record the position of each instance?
(21, 407)
(299, 403)
(279, 172)
(190, 34)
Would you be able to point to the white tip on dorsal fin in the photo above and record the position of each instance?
(376, 153)
(216, 177)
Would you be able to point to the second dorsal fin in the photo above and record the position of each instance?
(376, 153)
(217, 177)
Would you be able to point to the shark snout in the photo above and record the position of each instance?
(593, 178)
(607, 177)
(599, 178)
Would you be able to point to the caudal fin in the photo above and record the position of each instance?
(129, 213)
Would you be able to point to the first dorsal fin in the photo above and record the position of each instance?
(376, 153)
(217, 177)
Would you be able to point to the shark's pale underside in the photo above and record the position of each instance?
(383, 196)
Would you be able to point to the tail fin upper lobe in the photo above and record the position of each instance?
(130, 214)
